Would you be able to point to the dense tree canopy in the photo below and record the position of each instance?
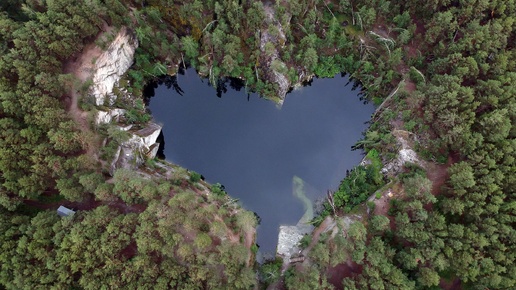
(451, 68)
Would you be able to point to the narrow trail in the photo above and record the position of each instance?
(82, 68)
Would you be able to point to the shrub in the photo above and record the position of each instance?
(254, 248)
(416, 76)
(409, 126)
(218, 189)
(195, 177)
(270, 271)
(202, 241)
(305, 241)
(371, 205)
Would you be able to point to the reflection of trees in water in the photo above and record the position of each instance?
(234, 83)
(356, 84)
(221, 85)
(169, 81)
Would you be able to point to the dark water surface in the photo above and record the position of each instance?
(255, 149)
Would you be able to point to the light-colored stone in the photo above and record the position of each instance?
(104, 117)
(288, 240)
(149, 134)
(278, 40)
(107, 71)
(153, 151)
(408, 155)
(141, 146)
(112, 64)
(126, 128)
(405, 153)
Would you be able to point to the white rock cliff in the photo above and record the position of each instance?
(112, 64)
(141, 146)
(109, 67)
(275, 69)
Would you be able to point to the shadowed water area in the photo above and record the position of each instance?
(255, 149)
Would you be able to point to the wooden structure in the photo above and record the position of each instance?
(64, 211)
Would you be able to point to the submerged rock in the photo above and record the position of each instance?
(290, 236)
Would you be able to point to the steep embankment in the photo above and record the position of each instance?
(101, 70)
(96, 72)
(155, 227)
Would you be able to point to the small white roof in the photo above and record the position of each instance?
(64, 211)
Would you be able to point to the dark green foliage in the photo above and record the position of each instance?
(104, 247)
(309, 279)
(305, 241)
(218, 189)
(403, 20)
(416, 76)
(191, 48)
(135, 116)
(411, 170)
(378, 224)
(460, 56)
(270, 271)
(195, 177)
(91, 181)
(133, 188)
(360, 183)
(36, 132)
(327, 68)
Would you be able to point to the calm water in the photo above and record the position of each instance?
(255, 149)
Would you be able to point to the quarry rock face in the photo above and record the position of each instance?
(104, 117)
(109, 67)
(276, 70)
(405, 153)
(112, 64)
(141, 146)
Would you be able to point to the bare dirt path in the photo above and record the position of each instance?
(82, 68)
(249, 241)
(438, 174)
(340, 271)
(327, 224)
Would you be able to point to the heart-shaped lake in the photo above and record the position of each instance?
(255, 149)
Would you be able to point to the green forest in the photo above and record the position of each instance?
(440, 71)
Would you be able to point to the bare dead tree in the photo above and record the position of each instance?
(329, 195)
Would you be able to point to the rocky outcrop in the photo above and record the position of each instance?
(104, 117)
(141, 146)
(405, 153)
(289, 238)
(275, 69)
(111, 65)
